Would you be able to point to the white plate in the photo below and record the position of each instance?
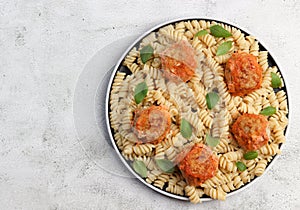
(271, 61)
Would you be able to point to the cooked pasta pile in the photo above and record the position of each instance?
(188, 100)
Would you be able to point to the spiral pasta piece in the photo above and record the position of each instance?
(131, 57)
(263, 59)
(245, 177)
(228, 187)
(234, 156)
(161, 180)
(226, 164)
(192, 193)
(142, 149)
(260, 167)
(208, 40)
(239, 37)
(270, 149)
(153, 175)
(172, 34)
(218, 193)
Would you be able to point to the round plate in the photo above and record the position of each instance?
(119, 67)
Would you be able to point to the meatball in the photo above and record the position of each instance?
(251, 131)
(152, 124)
(179, 61)
(243, 74)
(198, 165)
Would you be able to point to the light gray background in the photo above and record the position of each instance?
(44, 48)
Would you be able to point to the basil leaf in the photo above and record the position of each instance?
(140, 92)
(185, 129)
(165, 165)
(212, 141)
(201, 33)
(250, 155)
(146, 53)
(212, 99)
(140, 168)
(241, 166)
(224, 48)
(268, 111)
(276, 81)
(219, 31)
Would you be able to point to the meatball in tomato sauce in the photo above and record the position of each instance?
(251, 131)
(199, 164)
(152, 124)
(179, 61)
(243, 74)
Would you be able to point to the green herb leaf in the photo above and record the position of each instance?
(268, 111)
(165, 165)
(140, 92)
(140, 168)
(251, 155)
(219, 31)
(201, 33)
(185, 129)
(241, 166)
(276, 81)
(224, 48)
(212, 141)
(146, 53)
(212, 99)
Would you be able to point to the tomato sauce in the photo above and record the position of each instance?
(152, 124)
(179, 61)
(199, 164)
(243, 74)
(251, 131)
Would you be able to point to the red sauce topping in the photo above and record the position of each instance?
(199, 164)
(152, 124)
(251, 131)
(243, 74)
(179, 60)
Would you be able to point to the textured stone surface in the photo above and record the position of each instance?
(44, 47)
